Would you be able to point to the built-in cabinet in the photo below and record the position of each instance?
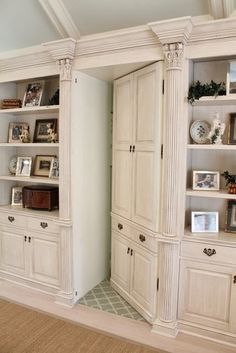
(137, 139)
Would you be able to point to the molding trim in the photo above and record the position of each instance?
(174, 30)
(228, 6)
(220, 8)
(165, 329)
(61, 49)
(60, 18)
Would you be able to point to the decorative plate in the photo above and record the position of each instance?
(12, 165)
(199, 131)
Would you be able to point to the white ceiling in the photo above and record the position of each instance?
(31, 22)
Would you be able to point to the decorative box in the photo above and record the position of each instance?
(40, 197)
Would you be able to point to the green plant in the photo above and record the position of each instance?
(197, 90)
(230, 178)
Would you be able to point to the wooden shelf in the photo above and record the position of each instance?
(31, 179)
(220, 237)
(211, 147)
(222, 194)
(5, 144)
(30, 110)
(229, 100)
(54, 214)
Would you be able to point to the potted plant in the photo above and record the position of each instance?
(198, 90)
(230, 182)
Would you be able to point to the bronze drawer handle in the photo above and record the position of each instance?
(120, 226)
(11, 219)
(209, 252)
(234, 279)
(44, 225)
(142, 238)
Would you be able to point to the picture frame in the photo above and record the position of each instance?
(33, 94)
(204, 222)
(231, 217)
(54, 170)
(15, 132)
(206, 180)
(231, 78)
(16, 196)
(23, 166)
(232, 129)
(42, 165)
(42, 128)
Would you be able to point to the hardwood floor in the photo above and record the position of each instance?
(103, 322)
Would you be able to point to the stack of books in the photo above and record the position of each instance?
(11, 103)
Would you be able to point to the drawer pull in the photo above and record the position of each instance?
(11, 219)
(29, 239)
(209, 252)
(25, 238)
(234, 279)
(128, 250)
(131, 252)
(120, 226)
(44, 225)
(142, 238)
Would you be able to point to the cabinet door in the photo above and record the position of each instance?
(147, 137)
(120, 261)
(13, 252)
(44, 258)
(207, 295)
(143, 280)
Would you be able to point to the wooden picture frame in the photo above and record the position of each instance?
(205, 180)
(15, 131)
(16, 196)
(232, 129)
(204, 222)
(231, 217)
(42, 127)
(54, 170)
(23, 166)
(33, 94)
(42, 165)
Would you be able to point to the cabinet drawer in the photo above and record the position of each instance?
(145, 240)
(121, 227)
(209, 252)
(43, 225)
(10, 219)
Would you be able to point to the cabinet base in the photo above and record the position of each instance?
(165, 328)
(64, 298)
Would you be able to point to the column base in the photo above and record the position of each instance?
(169, 329)
(66, 299)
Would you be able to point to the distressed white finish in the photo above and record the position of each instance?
(221, 8)
(60, 18)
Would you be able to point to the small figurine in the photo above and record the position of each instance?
(217, 131)
(52, 136)
(25, 136)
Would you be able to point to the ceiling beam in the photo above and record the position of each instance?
(220, 8)
(60, 18)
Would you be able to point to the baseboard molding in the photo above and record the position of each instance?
(166, 329)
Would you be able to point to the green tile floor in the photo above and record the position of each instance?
(103, 297)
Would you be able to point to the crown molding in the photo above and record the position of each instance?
(127, 38)
(60, 18)
(61, 49)
(211, 30)
(173, 30)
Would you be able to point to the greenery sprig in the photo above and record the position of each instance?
(230, 178)
(197, 90)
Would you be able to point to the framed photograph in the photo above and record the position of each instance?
(54, 170)
(204, 180)
(42, 129)
(33, 94)
(16, 195)
(15, 132)
(231, 78)
(232, 129)
(23, 166)
(231, 216)
(205, 222)
(42, 165)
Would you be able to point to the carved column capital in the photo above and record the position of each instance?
(174, 53)
(65, 67)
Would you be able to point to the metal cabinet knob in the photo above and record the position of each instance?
(209, 252)
(128, 250)
(43, 225)
(142, 238)
(11, 219)
(120, 226)
(234, 279)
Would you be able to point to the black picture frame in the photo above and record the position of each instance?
(232, 129)
(231, 217)
(42, 127)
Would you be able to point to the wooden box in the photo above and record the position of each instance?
(40, 197)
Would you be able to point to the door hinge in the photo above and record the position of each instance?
(157, 284)
(163, 86)
(162, 151)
